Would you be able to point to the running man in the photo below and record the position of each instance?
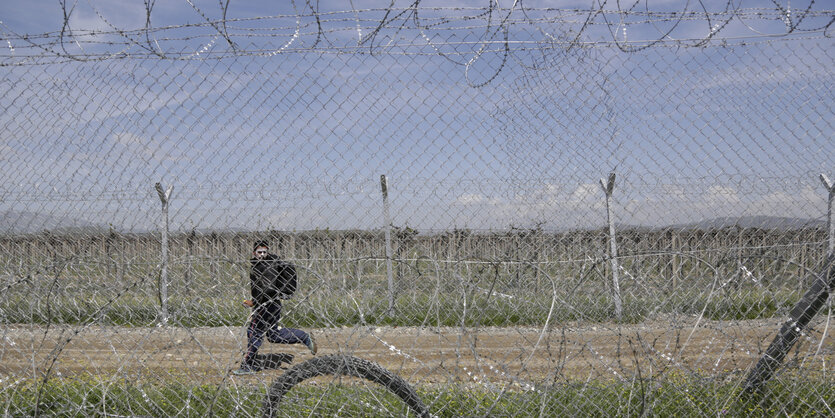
(271, 280)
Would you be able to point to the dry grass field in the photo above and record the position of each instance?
(486, 356)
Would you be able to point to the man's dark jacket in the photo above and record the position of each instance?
(271, 279)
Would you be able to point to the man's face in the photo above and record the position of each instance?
(260, 252)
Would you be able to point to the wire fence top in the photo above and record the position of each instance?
(200, 30)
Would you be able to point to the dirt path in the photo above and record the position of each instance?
(421, 355)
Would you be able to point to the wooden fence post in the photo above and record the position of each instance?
(387, 228)
(164, 197)
(608, 188)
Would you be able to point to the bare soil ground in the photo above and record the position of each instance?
(478, 356)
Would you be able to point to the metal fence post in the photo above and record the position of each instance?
(802, 313)
(608, 187)
(830, 224)
(164, 197)
(387, 228)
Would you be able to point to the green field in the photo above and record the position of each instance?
(669, 397)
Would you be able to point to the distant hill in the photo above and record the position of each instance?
(762, 222)
(12, 222)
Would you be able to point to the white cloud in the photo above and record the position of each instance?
(148, 150)
(141, 147)
(805, 203)
(548, 194)
(104, 15)
(470, 199)
(720, 195)
(672, 192)
(585, 194)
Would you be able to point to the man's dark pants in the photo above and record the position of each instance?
(265, 321)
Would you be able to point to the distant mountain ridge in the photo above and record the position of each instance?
(762, 222)
(12, 222)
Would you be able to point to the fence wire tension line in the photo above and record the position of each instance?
(427, 208)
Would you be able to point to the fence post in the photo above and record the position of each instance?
(802, 313)
(164, 197)
(830, 224)
(387, 228)
(608, 187)
(676, 262)
(191, 238)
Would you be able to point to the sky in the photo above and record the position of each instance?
(469, 134)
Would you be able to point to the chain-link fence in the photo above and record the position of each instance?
(493, 210)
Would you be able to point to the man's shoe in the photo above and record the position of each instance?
(244, 371)
(311, 344)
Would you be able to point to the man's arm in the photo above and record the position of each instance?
(252, 292)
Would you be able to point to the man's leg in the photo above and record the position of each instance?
(255, 337)
(281, 335)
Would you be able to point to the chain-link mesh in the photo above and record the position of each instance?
(605, 211)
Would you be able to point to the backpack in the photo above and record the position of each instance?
(286, 280)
